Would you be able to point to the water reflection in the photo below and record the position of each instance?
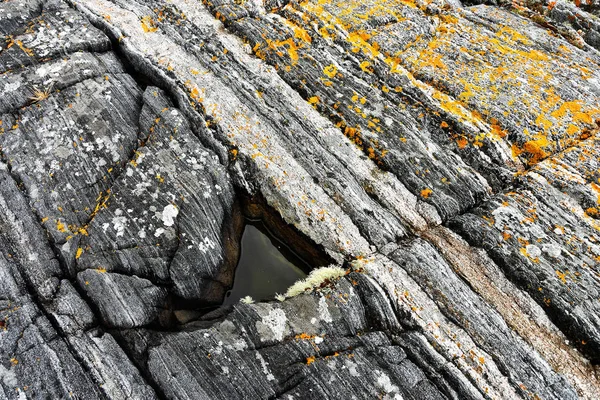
(266, 266)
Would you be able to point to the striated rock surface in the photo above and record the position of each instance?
(445, 154)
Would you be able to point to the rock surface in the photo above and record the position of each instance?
(445, 154)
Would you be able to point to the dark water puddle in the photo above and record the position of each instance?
(266, 266)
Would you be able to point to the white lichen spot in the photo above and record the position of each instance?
(8, 377)
(240, 345)
(119, 222)
(352, 368)
(533, 251)
(324, 310)
(247, 300)
(552, 250)
(206, 245)
(12, 87)
(169, 214)
(265, 367)
(66, 247)
(384, 382)
(273, 325)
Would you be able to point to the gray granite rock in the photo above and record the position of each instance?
(443, 157)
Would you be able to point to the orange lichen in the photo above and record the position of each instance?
(534, 149)
(561, 276)
(148, 24)
(425, 193)
(304, 336)
(497, 131)
(462, 142)
(289, 44)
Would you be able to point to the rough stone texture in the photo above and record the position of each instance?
(165, 214)
(51, 343)
(445, 154)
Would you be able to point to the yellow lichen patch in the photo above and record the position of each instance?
(570, 106)
(510, 34)
(289, 44)
(428, 58)
(359, 41)
(366, 66)
(543, 122)
(572, 129)
(354, 135)
(194, 93)
(60, 226)
(299, 32)
(524, 252)
(79, 253)
(330, 70)
(503, 72)
(101, 202)
(452, 106)
(310, 360)
(148, 24)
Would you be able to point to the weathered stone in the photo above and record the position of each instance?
(446, 156)
(544, 234)
(168, 218)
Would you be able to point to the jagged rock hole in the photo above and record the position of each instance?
(266, 265)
